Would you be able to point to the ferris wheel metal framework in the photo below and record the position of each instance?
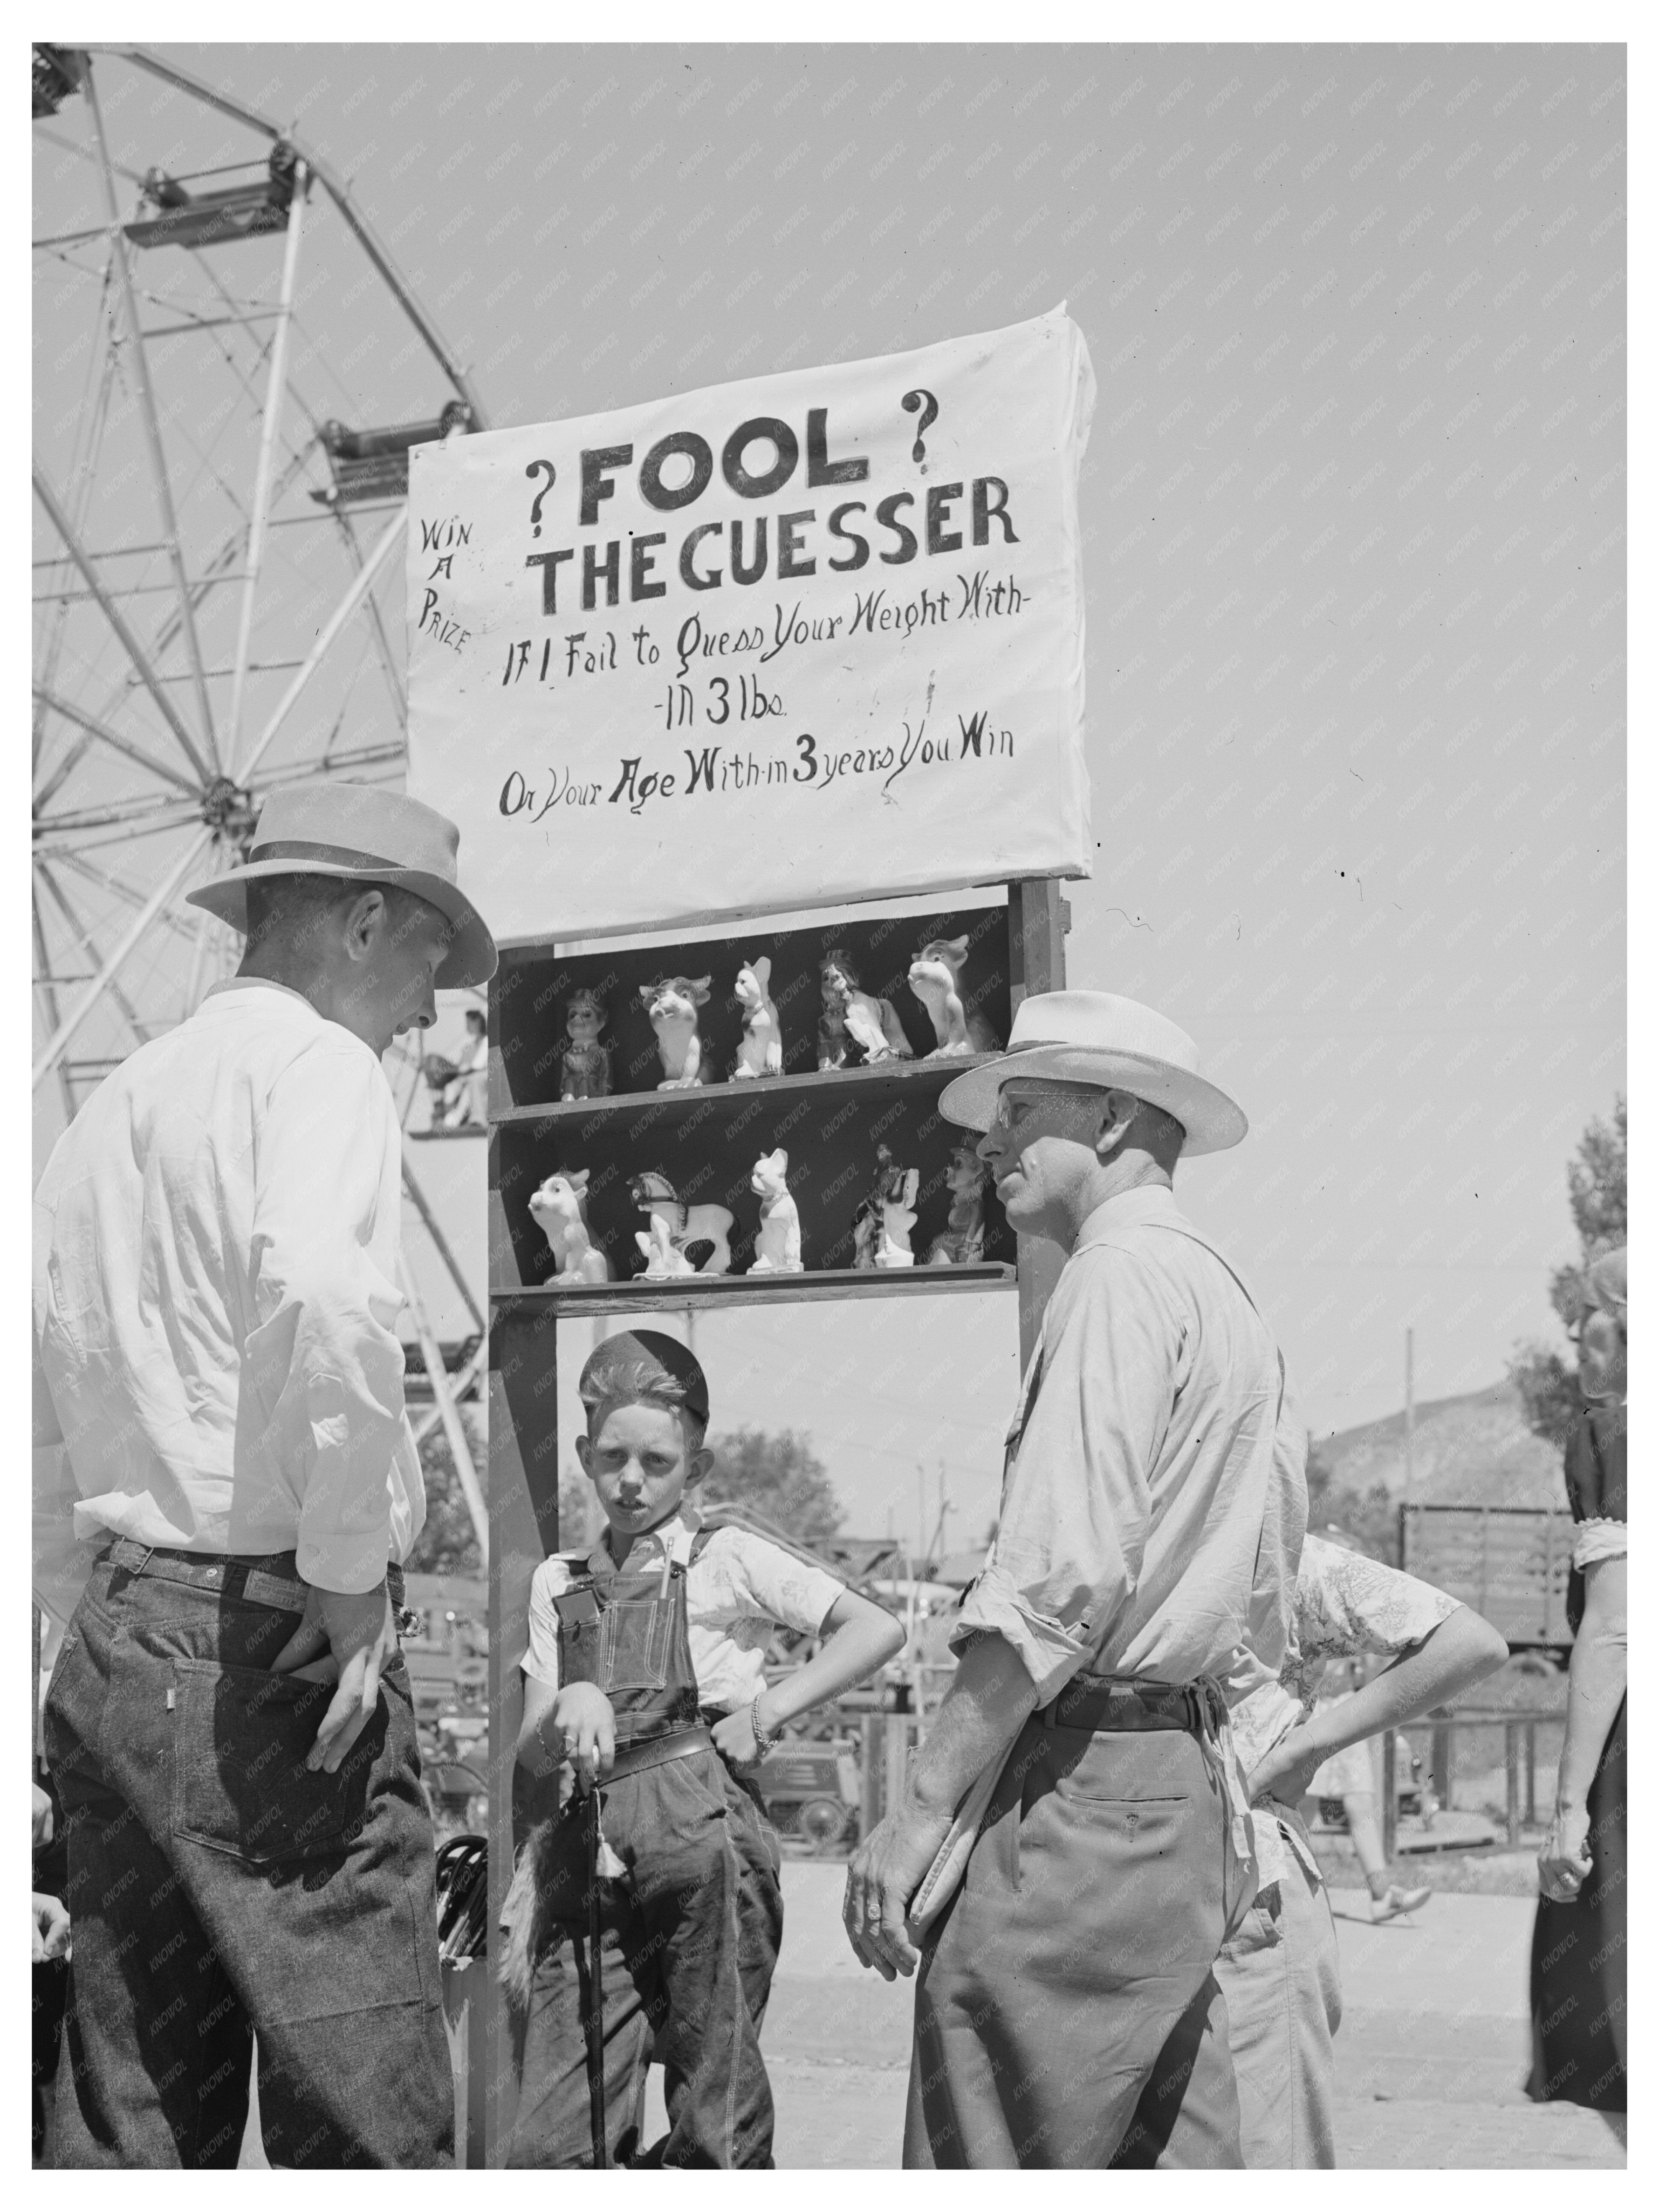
(155, 741)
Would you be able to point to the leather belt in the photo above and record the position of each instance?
(658, 1751)
(265, 1577)
(1096, 1708)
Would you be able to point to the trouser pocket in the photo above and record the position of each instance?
(241, 1781)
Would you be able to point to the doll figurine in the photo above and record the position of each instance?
(585, 1071)
(672, 1002)
(898, 1218)
(936, 980)
(699, 1236)
(560, 1210)
(963, 1243)
(850, 1017)
(777, 1242)
(761, 1052)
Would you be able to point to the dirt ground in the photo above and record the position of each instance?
(1431, 2053)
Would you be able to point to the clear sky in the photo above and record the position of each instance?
(1354, 525)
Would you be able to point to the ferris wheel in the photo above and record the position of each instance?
(230, 370)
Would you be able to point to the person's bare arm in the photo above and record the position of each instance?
(859, 1638)
(1462, 1650)
(576, 1723)
(1596, 1679)
(983, 1711)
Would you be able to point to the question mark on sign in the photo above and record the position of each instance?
(536, 508)
(910, 403)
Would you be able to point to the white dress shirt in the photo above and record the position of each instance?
(739, 1588)
(1151, 1509)
(216, 1240)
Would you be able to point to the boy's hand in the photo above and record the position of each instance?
(50, 1927)
(734, 1737)
(587, 1727)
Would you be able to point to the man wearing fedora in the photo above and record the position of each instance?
(225, 1488)
(1071, 1845)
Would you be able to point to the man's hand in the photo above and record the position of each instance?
(345, 1639)
(882, 1875)
(1565, 1863)
(48, 1922)
(42, 1819)
(1288, 1769)
(587, 1727)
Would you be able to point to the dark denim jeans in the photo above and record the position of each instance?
(219, 1890)
(689, 1940)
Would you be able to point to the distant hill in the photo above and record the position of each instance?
(1472, 1451)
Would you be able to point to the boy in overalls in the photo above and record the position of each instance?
(645, 1699)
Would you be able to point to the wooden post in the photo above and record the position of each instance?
(1512, 1783)
(1037, 921)
(1391, 1802)
(1532, 1774)
(1441, 1757)
(872, 1772)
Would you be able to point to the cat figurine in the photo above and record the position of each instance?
(777, 1242)
(936, 980)
(761, 1052)
(849, 1016)
(585, 1069)
(672, 1002)
(559, 1211)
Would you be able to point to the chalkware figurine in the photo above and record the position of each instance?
(850, 1017)
(777, 1244)
(963, 1244)
(699, 1237)
(881, 1231)
(585, 1070)
(560, 1211)
(672, 1002)
(761, 1052)
(936, 980)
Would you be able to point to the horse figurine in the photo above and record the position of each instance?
(559, 1211)
(697, 1236)
(761, 1052)
(585, 1070)
(962, 1242)
(936, 980)
(849, 1014)
(777, 1242)
(672, 1002)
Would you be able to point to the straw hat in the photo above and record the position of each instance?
(369, 836)
(1115, 1044)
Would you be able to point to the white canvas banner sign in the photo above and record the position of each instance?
(805, 638)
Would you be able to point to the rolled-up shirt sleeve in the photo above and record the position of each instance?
(323, 1370)
(1076, 1505)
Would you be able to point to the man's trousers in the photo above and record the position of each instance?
(1282, 1980)
(219, 1890)
(689, 1940)
(1066, 2004)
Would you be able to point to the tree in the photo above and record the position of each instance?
(1370, 1516)
(1597, 1192)
(779, 1476)
(448, 1544)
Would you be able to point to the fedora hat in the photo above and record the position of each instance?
(370, 835)
(1115, 1044)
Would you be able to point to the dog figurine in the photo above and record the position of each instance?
(672, 1002)
(936, 980)
(681, 1240)
(851, 1016)
(961, 1244)
(761, 1052)
(585, 1070)
(777, 1242)
(559, 1211)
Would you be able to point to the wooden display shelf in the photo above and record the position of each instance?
(559, 1301)
(860, 1082)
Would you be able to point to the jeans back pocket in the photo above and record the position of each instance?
(241, 1781)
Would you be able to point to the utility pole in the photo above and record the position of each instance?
(1406, 1493)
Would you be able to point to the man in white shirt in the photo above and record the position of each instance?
(225, 1488)
(1153, 1505)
